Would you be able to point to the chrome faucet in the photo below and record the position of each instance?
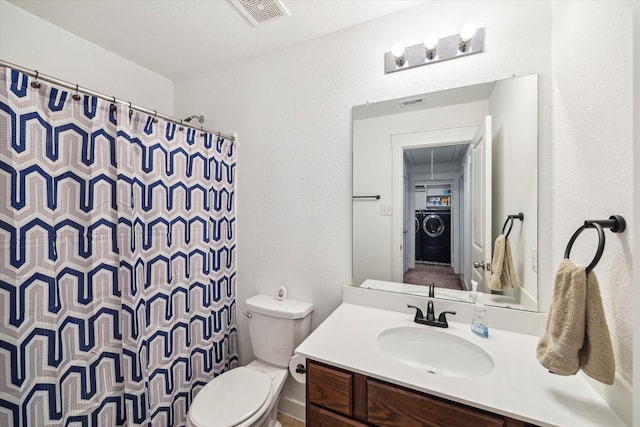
(430, 318)
(432, 286)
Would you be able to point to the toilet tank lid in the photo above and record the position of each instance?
(286, 308)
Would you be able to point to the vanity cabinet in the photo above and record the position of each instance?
(337, 397)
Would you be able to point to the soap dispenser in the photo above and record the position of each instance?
(479, 324)
(474, 291)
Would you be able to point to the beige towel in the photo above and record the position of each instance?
(577, 335)
(503, 276)
(596, 354)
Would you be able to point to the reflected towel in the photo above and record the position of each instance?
(576, 335)
(503, 276)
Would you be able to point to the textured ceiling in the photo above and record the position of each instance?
(174, 38)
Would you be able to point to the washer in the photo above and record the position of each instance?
(419, 217)
(436, 235)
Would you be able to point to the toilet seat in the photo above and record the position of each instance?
(231, 398)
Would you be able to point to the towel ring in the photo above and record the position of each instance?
(601, 240)
(509, 221)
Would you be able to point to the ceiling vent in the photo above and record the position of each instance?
(411, 102)
(259, 11)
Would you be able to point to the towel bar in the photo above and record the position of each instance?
(377, 197)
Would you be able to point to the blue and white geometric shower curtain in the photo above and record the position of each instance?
(117, 261)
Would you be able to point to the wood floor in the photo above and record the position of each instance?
(442, 276)
(288, 421)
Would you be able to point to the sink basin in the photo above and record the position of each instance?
(436, 352)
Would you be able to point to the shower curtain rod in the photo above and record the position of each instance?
(75, 87)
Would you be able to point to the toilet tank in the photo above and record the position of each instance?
(277, 327)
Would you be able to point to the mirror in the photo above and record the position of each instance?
(437, 177)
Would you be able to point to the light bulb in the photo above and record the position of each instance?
(431, 41)
(467, 31)
(397, 49)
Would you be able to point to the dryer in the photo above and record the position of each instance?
(436, 235)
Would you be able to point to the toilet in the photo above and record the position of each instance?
(247, 396)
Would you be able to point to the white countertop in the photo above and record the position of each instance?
(518, 387)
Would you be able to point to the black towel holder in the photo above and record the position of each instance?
(509, 221)
(615, 223)
(377, 197)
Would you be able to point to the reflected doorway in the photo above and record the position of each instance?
(435, 251)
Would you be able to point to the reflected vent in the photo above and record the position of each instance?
(259, 11)
(411, 102)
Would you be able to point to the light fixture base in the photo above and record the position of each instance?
(446, 49)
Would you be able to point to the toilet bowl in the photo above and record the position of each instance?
(248, 396)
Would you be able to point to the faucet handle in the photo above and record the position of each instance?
(419, 314)
(442, 318)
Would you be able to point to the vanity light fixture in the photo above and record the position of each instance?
(434, 49)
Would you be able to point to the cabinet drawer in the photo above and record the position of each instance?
(319, 417)
(389, 406)
(330, 388)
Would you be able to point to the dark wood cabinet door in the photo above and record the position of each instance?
(390, 406)
(336, 397)
(318, 417)
(330, 388)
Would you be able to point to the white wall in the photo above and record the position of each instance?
(31, 42)
(592, 151)
(292, 112)
(636, 208)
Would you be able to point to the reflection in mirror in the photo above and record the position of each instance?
(450, 167)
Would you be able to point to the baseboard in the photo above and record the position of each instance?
(618, 396)
(292, 407)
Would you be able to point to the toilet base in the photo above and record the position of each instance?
(278, 377)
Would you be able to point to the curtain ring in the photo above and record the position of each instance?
(181, 128)
(203, 132)
(155, 116)
(113, 107)
(36, 84)
(76, 96)
(130, 110)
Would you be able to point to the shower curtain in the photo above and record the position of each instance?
(117, 260)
